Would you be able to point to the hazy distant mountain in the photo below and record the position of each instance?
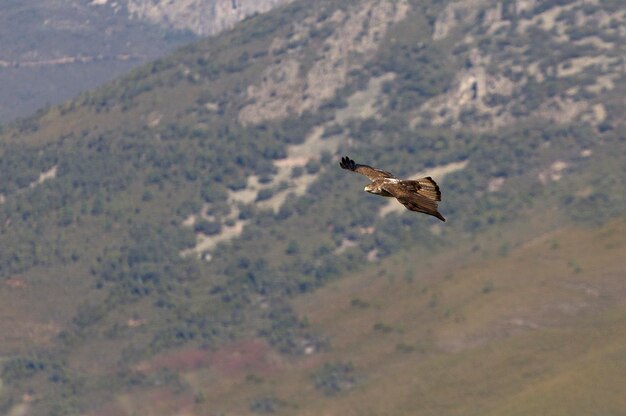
(51, 50)
(181, 240)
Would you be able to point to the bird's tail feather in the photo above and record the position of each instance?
(425, 186)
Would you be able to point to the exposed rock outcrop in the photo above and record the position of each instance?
(203, 17)
(284, 89)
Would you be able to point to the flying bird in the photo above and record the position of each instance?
(419, 195)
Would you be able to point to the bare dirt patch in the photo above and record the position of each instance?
(44, 176)
(238, 358)
(244, 357)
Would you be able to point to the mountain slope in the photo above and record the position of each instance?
(162, 230)
(53, 50)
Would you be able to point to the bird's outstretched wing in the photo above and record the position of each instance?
(370, 172)
(424, 186)
(419, 195)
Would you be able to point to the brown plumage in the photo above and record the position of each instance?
(420, 195)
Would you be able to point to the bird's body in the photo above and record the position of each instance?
(377, 187)
(420, 195)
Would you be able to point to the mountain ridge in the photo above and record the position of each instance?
(56, 50)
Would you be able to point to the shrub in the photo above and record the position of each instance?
(336, 378)
(208, 227)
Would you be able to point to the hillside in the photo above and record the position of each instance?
(182, 239)
(471, 338)
(52, 50)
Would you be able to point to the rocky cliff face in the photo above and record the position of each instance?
(572, 52)
(202, 17)
(284, 89)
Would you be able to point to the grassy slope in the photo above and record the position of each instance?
(546, 338)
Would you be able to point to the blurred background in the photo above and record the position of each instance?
(177, 238)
